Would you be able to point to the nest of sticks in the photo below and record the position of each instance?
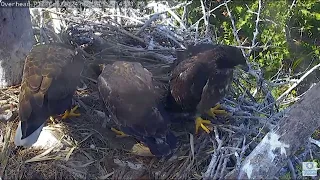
(87, 149)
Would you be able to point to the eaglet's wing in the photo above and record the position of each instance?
(188, 80)
(128, 92)
(50, 76)
(215, 89)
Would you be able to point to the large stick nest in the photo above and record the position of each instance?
(87, 149)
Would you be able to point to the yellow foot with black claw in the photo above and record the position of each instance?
(119, 133)
(202, 123)
(216, 111)
(71, 113)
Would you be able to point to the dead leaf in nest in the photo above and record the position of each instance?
(141, 150)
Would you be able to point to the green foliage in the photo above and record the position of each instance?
(290, 32)
(271, 32)
(316, 135)
(305, 20)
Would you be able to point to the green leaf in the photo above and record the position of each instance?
(317, 15)
(305, 12)
(239, 8)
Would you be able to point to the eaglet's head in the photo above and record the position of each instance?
(231, 57)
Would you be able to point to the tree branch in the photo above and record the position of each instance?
(282, 96)
(292, 132)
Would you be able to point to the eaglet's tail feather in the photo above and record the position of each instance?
(29, 140)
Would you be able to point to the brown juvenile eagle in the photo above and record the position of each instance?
(50, 77)
(129, 93)
(192, 50)
(203, 78)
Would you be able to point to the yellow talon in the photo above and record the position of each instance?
(71, 113)
(205, 128)
(119, 133)
(201, 123)
(215, 110)
(52, 120)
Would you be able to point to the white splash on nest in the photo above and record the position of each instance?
(47, 139)
(273, 139)
(28, 141)
(248, 169)
(267, 147)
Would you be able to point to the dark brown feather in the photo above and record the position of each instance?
(202, 79)
(192, 50)
(51, 74)
(128, 91)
